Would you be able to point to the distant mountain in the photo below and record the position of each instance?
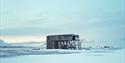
(2, 42)
(28, 42)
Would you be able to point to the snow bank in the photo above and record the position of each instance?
(85, 56)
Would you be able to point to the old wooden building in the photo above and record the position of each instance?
(66, 41)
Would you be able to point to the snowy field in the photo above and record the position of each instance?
(63, 56)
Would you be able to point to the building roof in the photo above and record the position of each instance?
(62, 35)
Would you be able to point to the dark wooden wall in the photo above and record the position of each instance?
(61, 41)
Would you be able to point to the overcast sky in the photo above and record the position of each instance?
(23, 20)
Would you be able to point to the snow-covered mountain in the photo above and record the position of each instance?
(2, 43)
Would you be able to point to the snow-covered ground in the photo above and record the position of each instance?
(68, 56)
